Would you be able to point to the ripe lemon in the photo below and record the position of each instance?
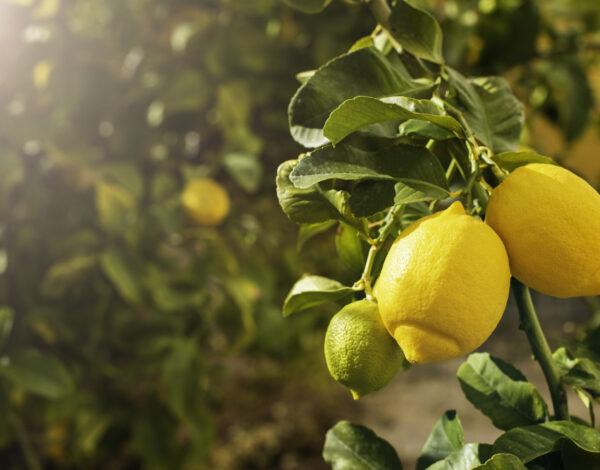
(205, 201)
(359, 351)
(443, 286)
(549, 220)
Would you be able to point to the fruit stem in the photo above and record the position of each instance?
(530, 324)
(388, 225)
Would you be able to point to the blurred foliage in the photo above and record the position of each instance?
(117, 315)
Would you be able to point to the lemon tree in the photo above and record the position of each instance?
(441, 211)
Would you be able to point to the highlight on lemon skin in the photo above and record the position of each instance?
(549, 220)
(359, 351)
(444, 286)
(205, 202)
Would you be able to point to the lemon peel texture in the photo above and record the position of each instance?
(549, 220)
(443, 286)
(205, 202)
(359, 351)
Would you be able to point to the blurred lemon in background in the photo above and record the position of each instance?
(205, 201)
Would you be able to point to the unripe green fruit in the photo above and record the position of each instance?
(359, 351)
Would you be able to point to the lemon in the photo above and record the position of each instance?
(359, 351)
(549, 220)
(205, 201)
(443, 286)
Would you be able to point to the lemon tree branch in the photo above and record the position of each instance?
(530, 324)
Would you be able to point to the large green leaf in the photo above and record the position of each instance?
(493, 113)
(308, 6)
(362, 111)
(313, 290)
(37, 372)
(417, 31)
(423, 129)
(502, 462)
(465, 458)
(578, 371)
(312, 204)
(510, 161)
(416, 167)
(353, 447)
(446, 437)
(501, 391)
(351, 249)
(531, 442)
(370, 197)
(364, 71)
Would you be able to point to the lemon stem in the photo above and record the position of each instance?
(388, 225)
(530, 324)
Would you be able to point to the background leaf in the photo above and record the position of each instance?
(364, 71)
(416, 167)
(495, 116)
(37, 372)
(362, 111)
(445, 438)
(313, 290)
(502, 462)
(353, 447)
(510, 161)
(308, 6)
(417, 31)
(501, 391)
(531, 442)
(464, 458)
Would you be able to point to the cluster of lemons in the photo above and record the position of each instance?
(445, 281)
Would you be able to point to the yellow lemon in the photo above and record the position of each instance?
(549, 220)
(205, 201)
(359, 351)
(443, 286)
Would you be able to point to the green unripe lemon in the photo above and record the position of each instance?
(359, 351)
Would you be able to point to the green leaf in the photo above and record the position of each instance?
(578, 371)
(423, 129)
(37, 372)
(246, 169)
(308, 231)
(531, 442)
(493, 113)
(308, 6)
(465, 458)
(313, 290)
(501, 391)
(180, 374)
(123, 276)
(116, 207)
(416, 167)
(510, 161)
(370, 197)
(312, 204)
(353, 447)
(362, 111)
(350, 248)
(502, 462)
(446, 437)
(417, 31)
(364, 71)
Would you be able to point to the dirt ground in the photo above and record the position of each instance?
(405, 411)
